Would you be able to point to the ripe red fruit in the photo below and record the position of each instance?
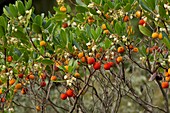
(9, 58)
(20, 75)
(141, 22)
(56, 68)
(107, 66)
(165, 84)
(43, 84)
(64, 25)
(111, 64)
(97, 65)
(3, 99)
(69, 93)
(63, 96)
(90, 60)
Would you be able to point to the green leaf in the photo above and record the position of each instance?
(106, 7)
(79, 2)
(13, 10)
(165, 40)
(127, 7)
(46, 62)
(59, 17)
(162, 11)
(81, 9)
(7, 12)
(2, 31)
(38, 20)
(21, 8)
(145, 31)
(36, 28)
(3, 22)
(107, 43)
(144, 6)
(28, 4)
(117, 28)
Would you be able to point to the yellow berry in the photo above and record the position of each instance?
(104, 26)
(63, 9)
(155, 35)
(160, 36)
(138, 14)
(43, 43)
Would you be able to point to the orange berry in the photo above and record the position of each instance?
(43, 43)
(53, 78)
(83, 59)
(119, 59)
(90, 20)
(63, 9)
(12, 81)
(0, 91)
(15, 90)
(166, 74)
(126, 18)
(138, 14)
(38, 108)
(9, 58)
(24, 90)
(107, 16)
(120, 50)
(160, 36)
(169, 71)
(165, 84)
(135, 50)
(32, 77)
(167, 79)
(98, 55)
(80, 55)
(66, 68)
(155, 35)
(104, 26)
(106, 32)
(77, 75)
(18, 86)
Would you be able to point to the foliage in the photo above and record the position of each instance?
(100, 55)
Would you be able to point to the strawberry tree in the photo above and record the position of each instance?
(91, 58)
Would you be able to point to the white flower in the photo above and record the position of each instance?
(91, 5)
(165, 6)
(90, 54)
(94, 47)
(15, 30)
(65, 77)
(27, 11)
(107, 56)
(88, 44)
(99, 12)
(74, 24)
(20, 17)
(157, 15)
(156, 19)
(73, 78)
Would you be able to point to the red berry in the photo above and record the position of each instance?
(9, 58)
(111, 64)
(69, 93)
(20, 75)
(64, 25)
(141, 22)
(90, 60)
(43, 84)
(97, 65)
(3, 99)
(107, 66)
(63, 96)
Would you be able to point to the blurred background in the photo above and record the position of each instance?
(41, 6)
